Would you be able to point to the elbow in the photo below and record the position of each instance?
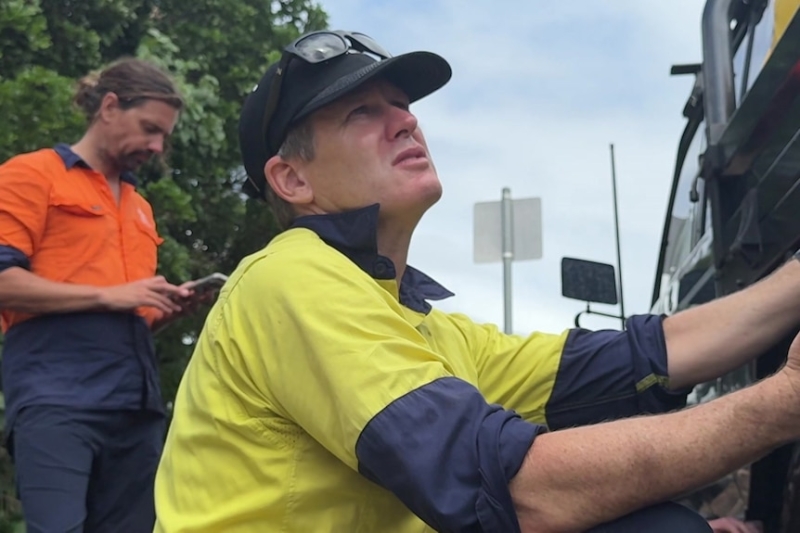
(551, 519)
(540, 505)
(9, 286)
(7, 282)
(537, 512)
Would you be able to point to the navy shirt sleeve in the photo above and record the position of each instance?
(605, 375)
(449, 456)
(12, 257)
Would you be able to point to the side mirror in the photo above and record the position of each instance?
(590, 282)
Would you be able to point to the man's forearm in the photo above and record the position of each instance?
(25, 292)
(710, 340)
(574, 479)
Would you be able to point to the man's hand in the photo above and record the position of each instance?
(196, 299)
(793, 359)
(186, 305)
(151, 292)
(791, 370)
(193, 300)
(732, 525)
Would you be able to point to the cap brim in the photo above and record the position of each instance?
(418, 74)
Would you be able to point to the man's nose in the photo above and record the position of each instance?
(404, 123)
(156, 145)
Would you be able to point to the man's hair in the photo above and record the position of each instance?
(134, 81)
(299, 143)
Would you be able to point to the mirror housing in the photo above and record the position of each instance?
(588, 281)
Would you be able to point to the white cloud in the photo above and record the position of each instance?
(539, 91)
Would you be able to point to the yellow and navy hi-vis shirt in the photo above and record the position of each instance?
(320, 398)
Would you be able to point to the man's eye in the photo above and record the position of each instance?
(360, 110)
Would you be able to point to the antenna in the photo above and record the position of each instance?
(616, 229)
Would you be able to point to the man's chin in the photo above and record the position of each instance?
(129, 168)
(433, 192)
(133, 165)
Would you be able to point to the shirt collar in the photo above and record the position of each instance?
(72, 159)
(355, 234)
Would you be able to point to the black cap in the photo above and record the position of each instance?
(308, 87)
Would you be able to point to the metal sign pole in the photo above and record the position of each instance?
(508, 254)
(508, 230)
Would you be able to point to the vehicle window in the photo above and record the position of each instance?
(762, 38)
(686, 216)
(683, 207)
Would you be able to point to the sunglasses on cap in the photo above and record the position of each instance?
(314, 48)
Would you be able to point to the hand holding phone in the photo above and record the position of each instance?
(203, 291)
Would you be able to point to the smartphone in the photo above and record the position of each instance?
(213, 281)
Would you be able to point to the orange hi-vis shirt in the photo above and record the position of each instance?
(59, 219)
(62, 216)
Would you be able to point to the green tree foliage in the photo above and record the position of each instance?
(216, 50)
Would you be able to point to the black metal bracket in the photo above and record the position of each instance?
(588, 311)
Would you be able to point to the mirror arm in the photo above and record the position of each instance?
(588, 311)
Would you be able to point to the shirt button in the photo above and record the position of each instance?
(380, 268)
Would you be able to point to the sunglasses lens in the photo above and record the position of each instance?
(370, 44)
(320, 46)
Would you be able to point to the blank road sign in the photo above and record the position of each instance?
(526, 224)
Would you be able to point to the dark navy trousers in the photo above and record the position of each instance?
(664, 518)
(84, 471)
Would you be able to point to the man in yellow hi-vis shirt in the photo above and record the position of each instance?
(327, 395)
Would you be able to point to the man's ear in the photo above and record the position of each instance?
(288, 181)
(108, 106)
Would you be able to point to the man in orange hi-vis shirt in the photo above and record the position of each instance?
(79, 298)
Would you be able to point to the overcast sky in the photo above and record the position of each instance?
(539, 91)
